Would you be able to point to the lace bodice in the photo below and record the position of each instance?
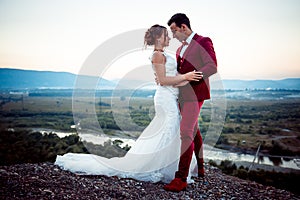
(171, 70)
(170, 65)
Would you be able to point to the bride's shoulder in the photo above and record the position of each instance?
(158, 57)
(158, 53)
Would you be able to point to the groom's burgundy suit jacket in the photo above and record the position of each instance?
(199, 56)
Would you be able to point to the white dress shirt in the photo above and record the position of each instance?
(188, 40)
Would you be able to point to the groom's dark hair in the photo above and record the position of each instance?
(180, 19)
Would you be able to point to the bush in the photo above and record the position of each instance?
(288, 181)
(212, 163)
(27, 147)
(241, 173)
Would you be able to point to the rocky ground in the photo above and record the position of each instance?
(47, 181)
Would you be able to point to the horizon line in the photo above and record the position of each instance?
(116, 79)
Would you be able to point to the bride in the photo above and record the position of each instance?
(155, 154)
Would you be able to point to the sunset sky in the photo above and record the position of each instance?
(253, 39)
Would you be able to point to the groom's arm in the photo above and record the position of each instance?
(208, 57)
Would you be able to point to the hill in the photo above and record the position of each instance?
(48, 181)
(286, 84)
(30, 79)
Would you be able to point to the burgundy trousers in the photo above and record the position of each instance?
(191, 139)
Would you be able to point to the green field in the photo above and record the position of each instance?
(273, 123)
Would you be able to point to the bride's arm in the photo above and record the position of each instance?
(182, 83)
(158, 60)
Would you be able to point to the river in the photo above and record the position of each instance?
(210, 153)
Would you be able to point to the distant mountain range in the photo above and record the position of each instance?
(30, 79)
(287, 84)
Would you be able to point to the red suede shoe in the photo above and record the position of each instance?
(201, 172)
(176, 185)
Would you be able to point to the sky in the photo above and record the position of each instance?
(253, 39)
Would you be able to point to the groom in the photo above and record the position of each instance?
(195, 53)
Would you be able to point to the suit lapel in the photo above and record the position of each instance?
(190, 46)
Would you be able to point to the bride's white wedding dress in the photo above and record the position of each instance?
(155, 154)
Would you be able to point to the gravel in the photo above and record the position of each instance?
(48, 181)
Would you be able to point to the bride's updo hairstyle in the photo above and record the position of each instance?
(153, 33)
